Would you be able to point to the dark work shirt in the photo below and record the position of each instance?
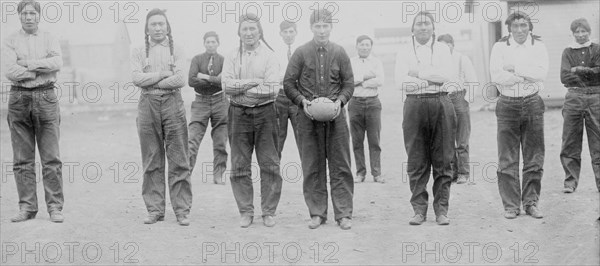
(200, 65)
(319, 71)
(587, 57)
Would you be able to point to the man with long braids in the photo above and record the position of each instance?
(251, 79)
(422, 67)
(519, 65)
(157, 68)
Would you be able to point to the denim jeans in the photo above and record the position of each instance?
(460, 163)
(365, 115)
(286, 110)
(428, 126)
(580, 109)
(162, 128)
(213, 108)
(520, 128)
(34, 118)
(254, 128)
(326, 143)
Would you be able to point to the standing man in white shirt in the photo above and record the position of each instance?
(463, 76)
(285, 107)
(422, 68)
(519, 65)
(364, 109)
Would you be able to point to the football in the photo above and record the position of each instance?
(322, 109)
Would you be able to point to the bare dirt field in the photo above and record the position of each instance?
(104, 209)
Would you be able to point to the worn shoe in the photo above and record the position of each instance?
(246, 221)
(568, 190)
(23, 216)
(219, 181)
(183, 220)
(379, 179)
(315, 222)
(511, 214)
(56, 217)
(269, 221)
(153, 218)
(345, 223)
(359, 179)
(534, 212)
(462, 180)
(418, 219)
(442, 220)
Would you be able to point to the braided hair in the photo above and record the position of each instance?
(412, 29)
(515, 16)
(160, 12)
(251, 17)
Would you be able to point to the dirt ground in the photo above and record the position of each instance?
(104, 209)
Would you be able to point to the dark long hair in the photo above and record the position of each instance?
(252, 18)
(161, 12)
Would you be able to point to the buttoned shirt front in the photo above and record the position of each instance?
(146, 71)
(42, 54)
(530, 63)
(368, 66)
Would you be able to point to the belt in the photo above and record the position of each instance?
(457, 92)
(365, 97)
(49, 86)
(159, 91)
(209, 95)
(234, 104)
(518, 98)
(586, 90)
(428, 95)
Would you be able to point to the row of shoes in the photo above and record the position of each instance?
(376, 179)
(56, 216)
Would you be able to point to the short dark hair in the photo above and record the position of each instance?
(322, 15)
(286, 24)
(211, 34)
(362, 38)
(25, 3)
(518, 15)
(580, 22)
(447, 38)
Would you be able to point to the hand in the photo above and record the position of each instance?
(509, 68)
(305, 104)
(413, 73)
(248, 86)
(371, 76)
(202, 76)
(166, 74)
(581, 69)
(22, 63)
(338, 108)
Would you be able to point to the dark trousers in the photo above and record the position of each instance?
(213, 108)
(580, 109)
(34, 117)
(460, 163)
(520, 128)
(254, 128)
(286, 110)
(428, 127)
(326, 143)
(162, 128)
(365, 116)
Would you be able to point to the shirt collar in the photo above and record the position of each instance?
(527, 42)
(576, 45)
(327, 46)
(365, 58)
(255, 51)
(22, 31)
(164, 43)
(428, 43)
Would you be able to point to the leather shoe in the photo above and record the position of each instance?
(246, 221)
(462, 180)
(183, 220)
(345, 223)
(568, 190)
(418, 219)
(23, 216)
(153, 218)
(56, 217)
(219, 181)
(379, 179)
(359, 179)
(442, 220)
(511, 214)
(534, 212)
(315, 222)
(268, 221)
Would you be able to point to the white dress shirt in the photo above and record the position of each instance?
(369, 66)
